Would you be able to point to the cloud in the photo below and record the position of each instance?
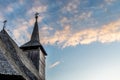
(1, 17)
(59, 37)
(1, 21)
(55, 64)
(21, 34)
(21, 21)
(21, 1)
(38, 9)
(110, 32)
(31, 21)
(85, 15)
(12, 6)
(77, 18)
(9, 9)
(66, 37)
(64, 20)
(46, 28)
(44, 31)
(72, 6)
(82, 37)
(109, 1)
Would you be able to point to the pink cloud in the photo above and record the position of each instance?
(66, 37)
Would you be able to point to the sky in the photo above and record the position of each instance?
(81, 37)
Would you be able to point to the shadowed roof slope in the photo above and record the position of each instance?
(16, 57)
(5, 66)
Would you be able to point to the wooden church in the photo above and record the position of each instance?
(22, 63)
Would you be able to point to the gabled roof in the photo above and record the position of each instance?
(16, 57)
(5, 66)
(34, 41)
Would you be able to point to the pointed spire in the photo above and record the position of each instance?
(4, 22)
(35, 33)
(34, 43)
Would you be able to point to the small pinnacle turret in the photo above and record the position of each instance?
(4, 22)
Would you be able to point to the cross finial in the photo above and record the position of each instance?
(36, 15)
(4, 22)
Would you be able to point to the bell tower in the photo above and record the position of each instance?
(35, 51)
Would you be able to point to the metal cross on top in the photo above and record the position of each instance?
(4, 24)
(36, 15)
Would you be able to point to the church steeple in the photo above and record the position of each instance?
(34, 42)
(35, 33)
(35, 51)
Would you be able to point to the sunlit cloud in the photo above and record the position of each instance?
(110, 32)
(59, 37)
(55, 64)
(22, 30)
(68, 32)
(21, 33)
(66, 37)
(82, 37)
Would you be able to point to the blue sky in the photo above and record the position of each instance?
(81, 37)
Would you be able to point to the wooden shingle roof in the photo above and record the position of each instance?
(15, 59)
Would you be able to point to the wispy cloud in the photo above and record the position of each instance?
(72, 6)
(46, 28)
(21, 34)
(109, 1)
(39, 9)
(70, 34)
(77, 18)
(1, 17)
(37, 6)
(9, 9)
(59, 37)
(105, 34)
(55, 64)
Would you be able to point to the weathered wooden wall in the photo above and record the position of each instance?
(38, 59)
(42, 65)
